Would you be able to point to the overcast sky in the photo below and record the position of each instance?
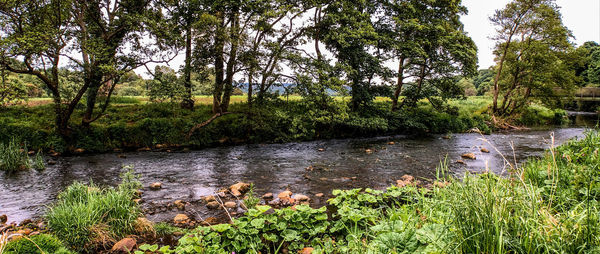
(581, 16)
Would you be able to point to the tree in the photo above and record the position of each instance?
(427, 40)
(112, 39)
(35, 36)
(590, 71)
(348, 32)
(533, 53)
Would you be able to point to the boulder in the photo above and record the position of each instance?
(181, 219)
(179, 204)
(484, 150)
(126, 245)
(230, 204)
(3, 218)
(213, 205)
(301, 198)
(470, 156)
(239, 188)
(284, 194)
(268, 196)
(155, 186)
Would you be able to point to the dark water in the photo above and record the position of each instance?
(274, 167)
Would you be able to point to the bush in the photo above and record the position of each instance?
(88, 217)
(41, 244)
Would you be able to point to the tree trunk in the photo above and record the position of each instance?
(399, 84)
(94, 82)
(250, 77)
(188, 102)
(219, 65)
(228, 86)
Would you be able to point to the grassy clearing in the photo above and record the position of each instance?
(550, 205)
(87, 217)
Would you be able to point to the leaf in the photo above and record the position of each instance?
(221, 227)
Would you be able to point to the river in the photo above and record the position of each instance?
(341, 163)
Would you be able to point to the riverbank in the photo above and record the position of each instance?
(535, 209)
(131, 124)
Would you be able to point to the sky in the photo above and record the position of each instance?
(582, 17)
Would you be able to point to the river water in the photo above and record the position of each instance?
(345, 163)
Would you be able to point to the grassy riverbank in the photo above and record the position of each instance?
(547, 205)
(133, 123)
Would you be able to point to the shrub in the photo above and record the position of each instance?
(88, 217)
(14, 157)
(41, 244)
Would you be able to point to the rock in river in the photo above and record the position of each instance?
(179, 204)
(230, 204)
(212, 205)
(485, 150)
(284, 194)
(3, 218)
(156, 186)
(268, 196)
(301, 198)
(470, 156)
(239, 188)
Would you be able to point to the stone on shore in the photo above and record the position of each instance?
(230, 204)
(284, 194)
(126, 245)
(239, 188)
(268, 196)
(181, 219)
(301, 198)
(179, 204)
(212, 205)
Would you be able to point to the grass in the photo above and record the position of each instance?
(14, 157)
(37, 244)
(88, 217)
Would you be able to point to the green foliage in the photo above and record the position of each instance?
(37, 244)
(87, 217)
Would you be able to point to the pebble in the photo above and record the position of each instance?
(230, 204)
(156, 186)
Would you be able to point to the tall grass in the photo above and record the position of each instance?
(88, 217)
(14, 157)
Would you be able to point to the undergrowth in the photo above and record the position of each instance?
(87, 217)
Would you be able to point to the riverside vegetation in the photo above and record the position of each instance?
(134, 124)
(547, 205)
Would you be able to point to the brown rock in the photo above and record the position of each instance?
(405, 180)
(181, 219)
(301, 198)
(144, 149)
(210, 221)
(391, 143)
(208, 199)
(51, 162)
(212, 205)
(79, 150)
(484, 150)
(307, 250)
(321, 149)
(470, 156)
(230, 204)
(143, 225)
(156, 186)
(318, 195)
(441, 184)
(239, 188)
(3, 218)
(369, 151)
(268, 196)
(461, 162)
(160, 146)
(179, 204)
(284, 194)
(126, 245)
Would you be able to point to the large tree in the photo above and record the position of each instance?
(34, 39)
(533, 53)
